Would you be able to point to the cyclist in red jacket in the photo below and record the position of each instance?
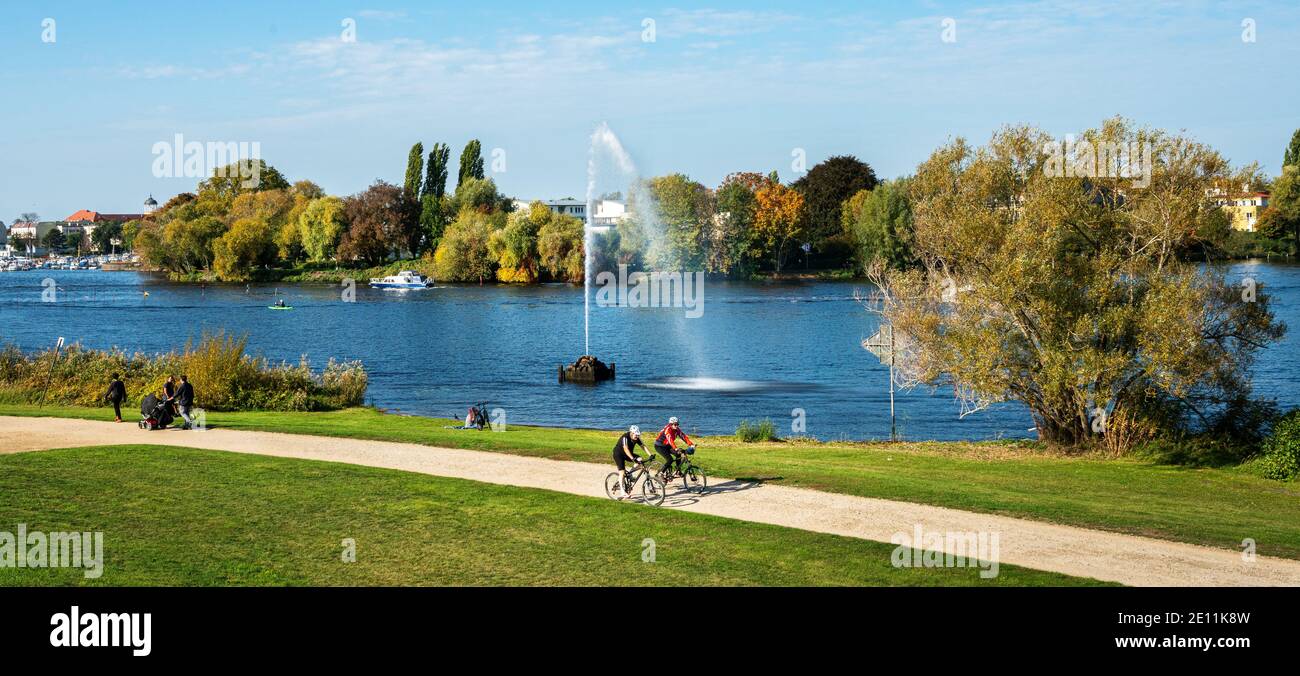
(666, 445)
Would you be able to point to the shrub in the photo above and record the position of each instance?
(225, 378)
(763, 430)
(1280, 459)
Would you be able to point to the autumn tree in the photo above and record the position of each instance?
(248, 245)
(778, 220)
(560, 249)
(1064, 290)
(377, 224)
(320, 227)
(515, 246)
(464, 255)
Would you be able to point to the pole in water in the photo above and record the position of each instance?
(893, 428)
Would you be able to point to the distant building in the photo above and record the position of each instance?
(568, 207)
(33, 235)
(607, 212)
(83, 222)
(4, 238)
(1244, 207)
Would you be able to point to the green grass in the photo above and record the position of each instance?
(1209, 506)
(177, 516)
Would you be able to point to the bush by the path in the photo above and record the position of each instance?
(225, 378)
(1281, 450)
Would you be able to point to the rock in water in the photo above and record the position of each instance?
(587, 369)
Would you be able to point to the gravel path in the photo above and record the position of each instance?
(1071, 550)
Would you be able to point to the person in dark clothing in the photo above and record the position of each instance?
(116, 395)
(184, 401)
(623, 451)
(169, 392)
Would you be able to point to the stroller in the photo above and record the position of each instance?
(155, 413)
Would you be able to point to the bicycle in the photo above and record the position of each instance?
(694, 480)
(652, 489)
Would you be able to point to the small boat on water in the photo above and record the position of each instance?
(405, 279)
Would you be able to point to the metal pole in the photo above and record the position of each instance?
(893, 428)
(50, 375)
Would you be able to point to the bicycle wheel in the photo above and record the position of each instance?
(653, 491)
(611, 485)
(696, 480)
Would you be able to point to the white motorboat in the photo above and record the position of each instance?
(405, 279)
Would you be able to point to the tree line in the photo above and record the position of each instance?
(837, 216)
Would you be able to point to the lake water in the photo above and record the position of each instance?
(758, 351)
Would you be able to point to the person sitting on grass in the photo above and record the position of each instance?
(623, 452)
(116, 395)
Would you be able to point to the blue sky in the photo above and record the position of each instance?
(725, 86)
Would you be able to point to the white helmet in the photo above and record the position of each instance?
(634, 431)
(672, 420)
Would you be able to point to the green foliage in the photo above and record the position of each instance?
(1291, 158)
(733, 248)
(879, 223)
(1280, 459)
(515, 247)
(471, 163)
(762, 430)
(320, 226)
(478, 194)
(414, 172)
(54, 240)
(435, 180)
(463, 254)
(685, 209)
(1043, 288)
(248, 245)
(104, 234)
(825, 187)
(1285, 201)
(230, 181)
(560, 248)
(433, 219)
(225, 378)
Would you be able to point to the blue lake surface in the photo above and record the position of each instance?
(758, 351)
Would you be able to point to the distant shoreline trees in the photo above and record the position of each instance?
(837, 216)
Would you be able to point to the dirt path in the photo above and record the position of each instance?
(1074, 551)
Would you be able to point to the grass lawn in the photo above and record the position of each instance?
(1209, 506)
(176, 516)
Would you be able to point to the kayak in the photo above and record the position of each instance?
(279, 307)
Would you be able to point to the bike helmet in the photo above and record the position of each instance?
(634, 431)
(672, 420)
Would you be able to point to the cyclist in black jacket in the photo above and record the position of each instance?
(623, 452)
